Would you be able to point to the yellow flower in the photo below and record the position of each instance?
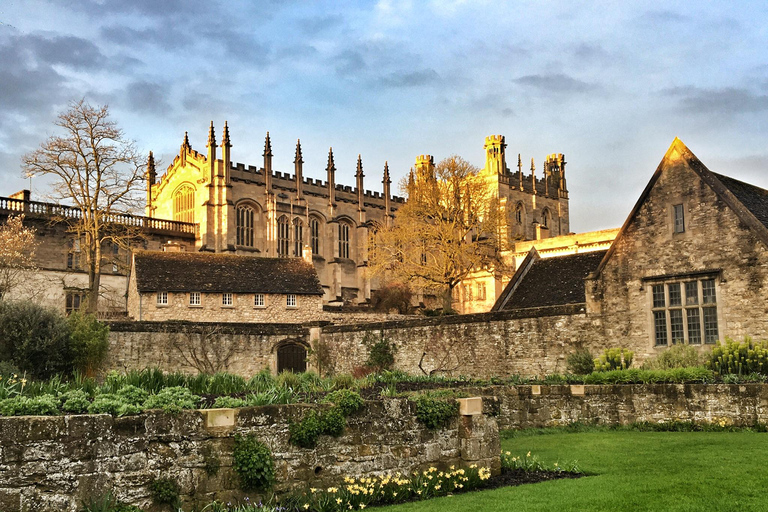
(338, 501)
(437, 487)
(362, 506)
(313, 490)
(507, 453)
(394, 493)
(306, 506)
(528, 454)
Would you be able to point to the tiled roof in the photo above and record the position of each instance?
(754, 199)
(551, 282)
(219, 273)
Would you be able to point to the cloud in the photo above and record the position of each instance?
(350, 62)
(727, 100)
(166, 38)
(590, 53)
(314, 26)
(557, 83)
(148, 97)
(410, 79)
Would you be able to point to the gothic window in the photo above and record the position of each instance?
(283, 236)
(298, 237)
(519, 213)
(314, 235)
(685, 310)
(344, 240)
(545, 218)
(184, 204)
(245, 218)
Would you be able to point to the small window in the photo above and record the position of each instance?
(226, 299)
(73, 255)
(195, 299)
(258, 300)
(480, 291)
(290, 300)
(74, 301)
(679, 219)
(162, 298)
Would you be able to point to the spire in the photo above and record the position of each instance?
(298, 167)
(225, 141)
(268, 165)
(386, 179)
(267, 146)
(520, 170)
(360, 187)
(533, 176)
(211, 137)
(185, 144)
(331, 171)
(151, 174)
(298, 158)
(387, 182)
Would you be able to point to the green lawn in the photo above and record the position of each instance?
(633, 471)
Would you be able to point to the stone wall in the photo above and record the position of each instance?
(51, 463)
(244, 349)
(548, 406)
(481, 345)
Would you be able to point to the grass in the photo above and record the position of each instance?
(632, 471)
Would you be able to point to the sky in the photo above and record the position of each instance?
(609, 84)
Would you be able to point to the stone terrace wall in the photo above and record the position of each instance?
(138, 345)
(533, 342)
(547, 406)
(51, 463)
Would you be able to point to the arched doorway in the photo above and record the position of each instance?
(292, 357)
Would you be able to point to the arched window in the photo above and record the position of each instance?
(298, 237)
(314, 235)
(245, 226)
(344, 240)
(292, 357)
(283, 236)
(545, 215)
(519, 213)
(184, 204)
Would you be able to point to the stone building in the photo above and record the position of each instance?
(207, 287)
(258, 211)
(690, 264)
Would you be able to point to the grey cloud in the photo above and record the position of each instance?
(313, 26)
(167, 38)
(243, 47)
(410, 79)
(728, 100)
(556, 83)
(299, 51)
(148, 97)
(151, 8)
(67, 50)
(350, 62)
(590, 52)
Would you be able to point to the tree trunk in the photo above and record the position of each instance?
(447, 299)
(94, 279)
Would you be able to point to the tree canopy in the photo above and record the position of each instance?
(447, 228)
(95, 167)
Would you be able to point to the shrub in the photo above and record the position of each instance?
(739, 358)
(435, 412)
(132, 395)
(381, 351)
(676, 356)
(74, 401)
(395, 296)
(228, 402)
(253, 462)
(35, 339)
(332, 422)
(106, 503)
(306, 432)
(172, 399)
(110, 403)
(7, 369)
(580, 362)
(346, 400)
(165, 491)
(614, 359)
(88, 341)
(43, 405)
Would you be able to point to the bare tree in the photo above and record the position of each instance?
(94, 166)
(447, 228)
(17, 253)
(445, 353)
(206, 348)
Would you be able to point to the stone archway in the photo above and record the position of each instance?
(292, 357)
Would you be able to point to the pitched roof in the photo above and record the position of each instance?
(552, 281)
(219, 273)
(748, 202)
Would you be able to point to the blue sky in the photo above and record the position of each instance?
(610, 84)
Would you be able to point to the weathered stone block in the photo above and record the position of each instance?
(219, 419)
(470, 406)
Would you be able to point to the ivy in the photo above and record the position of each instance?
(253, 462)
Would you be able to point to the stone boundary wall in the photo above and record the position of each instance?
(52, 463)
(241, 348)
(621, 404)
(526, 342)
